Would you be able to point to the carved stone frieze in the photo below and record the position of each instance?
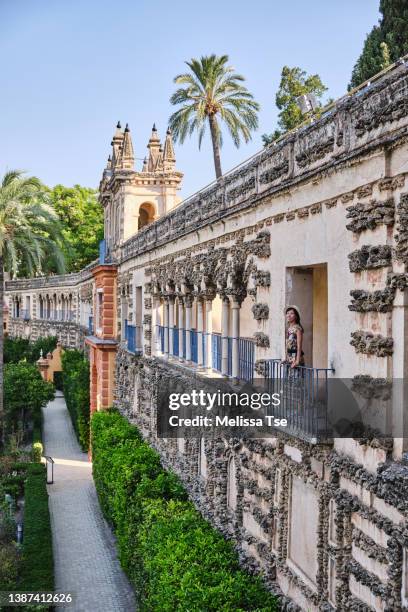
(401, 238)
(372, 344)
(261, 340)
(369, 215)
(369, 257)
(260, 312)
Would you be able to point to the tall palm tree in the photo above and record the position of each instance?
(213, 92)
(30, 234)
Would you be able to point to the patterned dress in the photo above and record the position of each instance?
(292, 345)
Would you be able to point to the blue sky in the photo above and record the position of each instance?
(71, 68)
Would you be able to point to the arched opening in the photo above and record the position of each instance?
(146, 214)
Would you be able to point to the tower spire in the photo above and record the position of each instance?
(154, 150)
(116, 143)
(127, 158)
(169, 157)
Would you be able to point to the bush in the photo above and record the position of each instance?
(174, 558)
(9, 562)
(37, 570)
(75, 376)
(25, 393)
(37, 452)
(21, 349)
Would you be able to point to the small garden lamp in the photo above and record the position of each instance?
(50, 469)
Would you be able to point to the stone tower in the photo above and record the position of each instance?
(133, 199)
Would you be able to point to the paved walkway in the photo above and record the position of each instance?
(84, 548)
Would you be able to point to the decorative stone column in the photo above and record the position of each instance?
(235, 307)
(155, 323)
(180, 327)
(171, 326)
(224, 336)
(188, 301)
(200, 333)
(166, 327)
(208, 329)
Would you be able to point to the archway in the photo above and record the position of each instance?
(146, 214)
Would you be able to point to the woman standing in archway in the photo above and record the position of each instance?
(294, 338)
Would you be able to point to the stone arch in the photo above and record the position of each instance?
(147, 214)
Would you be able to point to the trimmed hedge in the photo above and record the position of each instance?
(37, 565)
(75, 377)
(174, 558)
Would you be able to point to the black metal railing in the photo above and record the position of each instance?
(304, 397)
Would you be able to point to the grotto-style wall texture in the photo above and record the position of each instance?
(319, 220)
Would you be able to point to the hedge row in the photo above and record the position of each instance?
(75, 377)
(174, 558)
(37, 566)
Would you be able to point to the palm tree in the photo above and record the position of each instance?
(30, 234)
(213, 93)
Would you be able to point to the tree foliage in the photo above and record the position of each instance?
(213, 93)
(81, 218)
(75, 377)
(25, 393)
(294, 82)
(386, 42)
(30, 230)
(22, 349)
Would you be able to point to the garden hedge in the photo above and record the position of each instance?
(174, 558)
(75, 377)
(37, 566)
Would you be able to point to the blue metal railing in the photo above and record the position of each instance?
(90, 324)
(304, 394)
(246, 352)
(194, 346)
(133, 336)
(175, 332)
(216, 352)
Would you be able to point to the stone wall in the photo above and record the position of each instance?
(323, 530)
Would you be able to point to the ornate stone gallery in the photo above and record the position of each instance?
(195, 290)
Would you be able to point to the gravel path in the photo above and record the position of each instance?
(85, 559)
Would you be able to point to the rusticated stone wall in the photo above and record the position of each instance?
(359, 526)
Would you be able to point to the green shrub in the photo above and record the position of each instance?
(75, 377)
(37, 452)
(25, 393)
(37, 572)
(9, 562)
(21, 349)
(174, 558)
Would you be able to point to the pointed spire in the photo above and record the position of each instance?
(144, 169)
(127, 159)
(109, 163)
(116, 145)
(154, 150)
(169, 157)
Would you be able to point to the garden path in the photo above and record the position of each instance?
(85, 558)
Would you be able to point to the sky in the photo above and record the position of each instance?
(70, 69)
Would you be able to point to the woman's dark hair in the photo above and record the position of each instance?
(297, 316)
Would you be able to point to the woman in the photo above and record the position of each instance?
(294, 338)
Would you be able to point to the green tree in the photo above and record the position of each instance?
(386, 42)
(81, 217)
(30, 234)
(213, 93)
(294, 82)
(25, 393)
